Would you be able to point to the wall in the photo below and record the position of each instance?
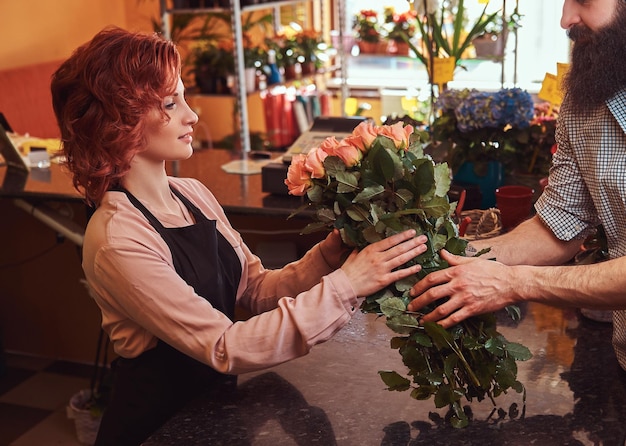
(41, 30)
(44, 309)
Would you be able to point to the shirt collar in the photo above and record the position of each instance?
(617, 107)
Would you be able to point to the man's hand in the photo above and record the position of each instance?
(473, 285)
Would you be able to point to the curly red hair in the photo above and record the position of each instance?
(101, 96)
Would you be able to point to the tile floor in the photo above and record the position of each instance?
(34, 394)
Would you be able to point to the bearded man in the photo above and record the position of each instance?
(586, 188)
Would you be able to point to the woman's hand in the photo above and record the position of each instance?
(334, 250)
(375, 266)
(474, 286)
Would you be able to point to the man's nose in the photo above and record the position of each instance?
(569, 16)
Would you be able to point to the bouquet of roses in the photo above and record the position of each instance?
(377, 182)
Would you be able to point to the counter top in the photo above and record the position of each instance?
(237, 193)
(334, 396)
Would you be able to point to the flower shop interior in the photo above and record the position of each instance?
(270, 80)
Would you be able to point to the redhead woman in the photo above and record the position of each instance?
(165, 265)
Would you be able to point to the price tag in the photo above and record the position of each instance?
(443, 68)
(549, 90)
(561, 72)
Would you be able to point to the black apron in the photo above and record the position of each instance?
(151, 388)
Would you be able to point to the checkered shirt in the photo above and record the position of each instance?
(587, 185)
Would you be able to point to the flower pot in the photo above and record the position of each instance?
(515, 203)
(368, 47)
(86, 424)
(489, 46)
(398, 48)
(488, 176)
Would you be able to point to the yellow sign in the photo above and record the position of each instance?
(561, 71)
(550, 90)
(443, 70)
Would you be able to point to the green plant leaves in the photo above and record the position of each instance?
(391, 190)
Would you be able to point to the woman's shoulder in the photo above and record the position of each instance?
(116, 219)
(195, 191)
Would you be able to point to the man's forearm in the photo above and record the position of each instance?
(530, 243)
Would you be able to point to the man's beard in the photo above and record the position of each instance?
(598, 68)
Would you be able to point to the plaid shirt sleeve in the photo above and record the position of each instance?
(566, 206)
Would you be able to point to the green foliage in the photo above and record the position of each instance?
(438, 42)
(393, 189)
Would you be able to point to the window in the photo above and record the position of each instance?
(539, 25)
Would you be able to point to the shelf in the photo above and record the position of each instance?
(244, 8)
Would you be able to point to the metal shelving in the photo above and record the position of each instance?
(236, 21)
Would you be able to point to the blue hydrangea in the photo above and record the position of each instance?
(473, 109)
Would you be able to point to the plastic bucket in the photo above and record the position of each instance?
(514, 203)
(86, 424)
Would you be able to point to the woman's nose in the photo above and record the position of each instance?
(192, 116)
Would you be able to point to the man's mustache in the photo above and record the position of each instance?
(579, 32)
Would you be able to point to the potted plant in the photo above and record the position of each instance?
(367, 29)
(482, 133)
(491, 43)
(309, 46)
(438, 42)
(87, 406)
(214, 66)
(399, 28)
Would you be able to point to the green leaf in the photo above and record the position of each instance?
(313, 227)
(369, 193)
(334, 166)
(392, 307)
(394, 381)
(346, 182)
(442, 179)
(403, 324)
(495, 346)
(519, 352)
(436, 207)
(423, 392)
(456, 246)
(422, 339)
(424, 177)
(441, 338)
(383, 164)
(326, 215)
(371, 235)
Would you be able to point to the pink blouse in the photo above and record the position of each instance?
(129, 268)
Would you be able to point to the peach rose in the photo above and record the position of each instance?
(314, 162)
(298, 177)
(366, 132)
(329, 145)
(398, 133)
(349, 153)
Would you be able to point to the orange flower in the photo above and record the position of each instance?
(298, 177)
(329, 144)
(314, 162)
(398, 133)
(367, 133)
(350, 154)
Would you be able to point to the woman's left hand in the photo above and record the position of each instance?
(334, 250)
